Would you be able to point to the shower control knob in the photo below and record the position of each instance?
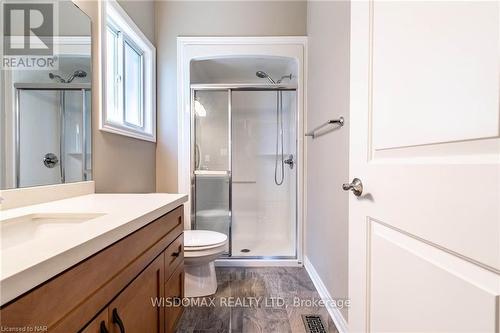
(356, 186)
(289, 161)
(50, 160)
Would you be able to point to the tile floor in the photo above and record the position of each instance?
(256, 286)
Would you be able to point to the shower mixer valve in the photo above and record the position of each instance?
(50, 160)
(289, 161)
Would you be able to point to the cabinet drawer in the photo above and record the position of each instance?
(174, 288)
(174, 255)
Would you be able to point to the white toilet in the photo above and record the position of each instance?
(201, 248)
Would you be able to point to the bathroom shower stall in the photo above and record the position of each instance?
(45, 125)
(53, 125)
(244, 154)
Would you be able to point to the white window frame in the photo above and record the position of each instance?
(131, 34)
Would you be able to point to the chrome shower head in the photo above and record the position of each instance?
(261, 74)
(80, 73)
(77, 73)
(264, 75)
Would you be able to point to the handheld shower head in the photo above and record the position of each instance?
(80, 73)
(264, 75)
(77, 73)
(261, 74)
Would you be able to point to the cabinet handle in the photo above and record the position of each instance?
(118, 321)
(103, 328)
(176, 254)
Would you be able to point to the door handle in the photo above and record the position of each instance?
(356, 187)
(117, 320)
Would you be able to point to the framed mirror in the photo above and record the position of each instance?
(45, 96)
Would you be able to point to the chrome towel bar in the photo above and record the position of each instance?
(339, 121)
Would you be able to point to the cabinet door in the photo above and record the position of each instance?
(174, 289)
(133, 310)
(99, 324)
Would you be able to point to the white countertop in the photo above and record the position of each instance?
(37, 259)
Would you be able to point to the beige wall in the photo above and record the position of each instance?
(208, 18)
(121, 164)
(328, 155)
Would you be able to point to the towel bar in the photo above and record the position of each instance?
(339, 121)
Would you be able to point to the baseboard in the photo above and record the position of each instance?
(334, 312)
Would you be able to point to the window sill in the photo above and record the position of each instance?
(120, 131)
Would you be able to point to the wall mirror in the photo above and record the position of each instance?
(45, 127)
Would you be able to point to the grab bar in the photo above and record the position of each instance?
(339, 121)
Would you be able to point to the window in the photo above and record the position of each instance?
(129, 61)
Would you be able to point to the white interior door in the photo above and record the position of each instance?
(424, 237)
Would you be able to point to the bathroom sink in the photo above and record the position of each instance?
(21, 229)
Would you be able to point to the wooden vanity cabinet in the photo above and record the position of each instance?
(109, 294)
(174, 290)
(132, 310)
(100, 323)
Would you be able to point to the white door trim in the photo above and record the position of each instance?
(189, 48)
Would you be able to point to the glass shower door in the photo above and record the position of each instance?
(244, 169)
(264, 174)
(76, 140)
(212, 160)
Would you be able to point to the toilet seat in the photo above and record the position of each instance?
(199, 240)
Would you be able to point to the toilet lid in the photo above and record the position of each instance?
(196, 238)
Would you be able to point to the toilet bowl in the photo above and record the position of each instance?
(201, 248)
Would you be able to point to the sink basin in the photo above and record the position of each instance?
(21, 229)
